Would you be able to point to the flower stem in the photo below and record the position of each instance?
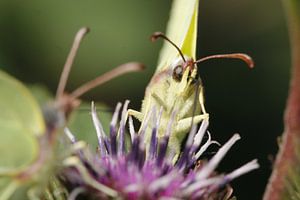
(288, 159)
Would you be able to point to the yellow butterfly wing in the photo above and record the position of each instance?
(182, 30)
(21, 123)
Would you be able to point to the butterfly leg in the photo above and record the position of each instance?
(201, 100)
(138, 115)
(184, 125)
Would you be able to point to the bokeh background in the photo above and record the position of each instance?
(35, 38)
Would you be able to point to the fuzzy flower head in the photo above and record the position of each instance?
(133, 171)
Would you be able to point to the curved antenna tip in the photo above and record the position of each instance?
(249, 61)
(242, 56)
(156, 35)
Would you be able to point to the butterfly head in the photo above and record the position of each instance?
(184, 73)
(183, 69)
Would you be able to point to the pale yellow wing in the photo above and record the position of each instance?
(182, 30)
(21, 123)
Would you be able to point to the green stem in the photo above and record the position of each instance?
(288, 160)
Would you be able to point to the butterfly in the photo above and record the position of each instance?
(29, 149)
(176, 85)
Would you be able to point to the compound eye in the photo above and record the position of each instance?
(177, 73)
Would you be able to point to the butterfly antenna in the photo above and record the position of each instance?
(69, 62)
(120, 70)
(157, 35)
(244, 57)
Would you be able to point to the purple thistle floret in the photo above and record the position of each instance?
(135, 171)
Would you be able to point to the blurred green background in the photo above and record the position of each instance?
(35, 38)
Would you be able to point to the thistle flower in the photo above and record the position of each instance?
(133, 171)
